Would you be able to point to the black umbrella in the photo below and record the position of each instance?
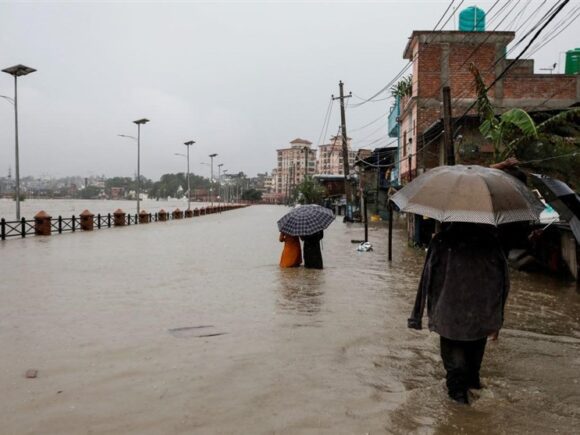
(306, 220)
(562, 198)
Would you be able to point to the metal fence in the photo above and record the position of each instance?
(20, 228)
(26, 227)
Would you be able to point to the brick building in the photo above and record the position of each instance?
(443, 58)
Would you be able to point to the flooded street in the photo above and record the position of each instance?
(191, 327)
(68, 207)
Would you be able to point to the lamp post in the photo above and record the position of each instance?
(17, 71)
(139, 122)
(227, 188)
(220, 181)
(188, 144)
(211, 156)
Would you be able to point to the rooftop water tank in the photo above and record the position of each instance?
(472, 19)
(573, 61)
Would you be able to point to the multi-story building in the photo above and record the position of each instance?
(443, 58)
(294, 164)
(330, 161)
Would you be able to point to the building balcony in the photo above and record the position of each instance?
(393, 128)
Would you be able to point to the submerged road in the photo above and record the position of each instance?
(191, 327)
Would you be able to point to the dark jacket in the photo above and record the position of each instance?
(312, 255)
(465, 282)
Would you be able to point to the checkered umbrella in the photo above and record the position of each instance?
(305, 220)
(469, 194)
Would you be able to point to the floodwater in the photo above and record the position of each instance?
(190, 327)
(68, 207)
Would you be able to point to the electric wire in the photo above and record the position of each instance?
(405, 68)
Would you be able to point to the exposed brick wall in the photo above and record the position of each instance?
(461, 79)
(427, 116)
(521, 67)
(540, 86)
(429, 71)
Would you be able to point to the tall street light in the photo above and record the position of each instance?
(227, 192)
(211, 156)
(139, 122)
(220, 181)
(188, 144)
(17, 71)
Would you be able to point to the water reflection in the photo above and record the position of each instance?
(306, 351)
(300, 290)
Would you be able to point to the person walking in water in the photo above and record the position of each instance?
(312, 253)
(292, 253)
(465, 284)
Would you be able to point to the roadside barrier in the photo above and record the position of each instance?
(44, 225)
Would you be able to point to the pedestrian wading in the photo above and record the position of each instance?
(465, 284)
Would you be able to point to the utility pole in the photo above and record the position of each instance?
(346, 169)
(448, 127)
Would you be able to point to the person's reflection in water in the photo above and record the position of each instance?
(300, 291)
(312, 253)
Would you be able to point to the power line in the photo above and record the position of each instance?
(512, 63)
(400, 73)
(326, 121)
(463, 93)
(572, 20)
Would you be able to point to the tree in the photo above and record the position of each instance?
(90, 192)
(252, 195)
(403, 88)
(310, 192)
(537, 138)
(171, 184)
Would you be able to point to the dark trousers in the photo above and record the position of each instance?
(462, 361)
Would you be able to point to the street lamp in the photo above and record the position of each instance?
(17, 71)
(188, 144)
(211, 156)
(220, 181)
(227, 192)
(139, 122)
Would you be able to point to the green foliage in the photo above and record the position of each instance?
(403, 88)
(170, 184)
(252, 195)
(310, 192)
(90, 192)
(127, 183)
(539, 142)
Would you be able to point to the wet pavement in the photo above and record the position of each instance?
(190, 327)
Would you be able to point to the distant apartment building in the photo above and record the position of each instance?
(330, 157)
(270, 182)
(294, 164)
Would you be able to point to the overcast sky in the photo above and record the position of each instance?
(241, 79)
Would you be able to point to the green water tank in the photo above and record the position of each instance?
(573, 61)
(472, 19)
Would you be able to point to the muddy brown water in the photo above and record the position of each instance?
(190, 327)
